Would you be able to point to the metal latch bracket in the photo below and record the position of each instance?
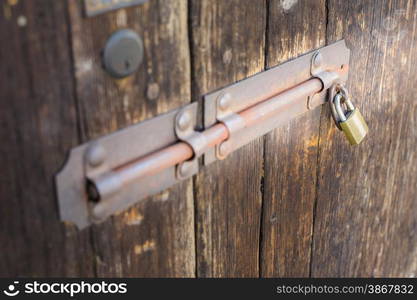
(111, 173)
(328, 64)
(82, 202)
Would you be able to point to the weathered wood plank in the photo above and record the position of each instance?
(38, 126)
(366, 210)
(154, 238)
(228, 45)
(291, 151)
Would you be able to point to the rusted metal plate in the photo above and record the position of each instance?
(243, 94)
(90, 161)
(97, 7)
(110, 174)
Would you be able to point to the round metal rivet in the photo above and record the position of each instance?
(96, 155)
(184, 120)
(225, 101)
(123, 53)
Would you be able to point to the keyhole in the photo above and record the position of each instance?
(127, 64)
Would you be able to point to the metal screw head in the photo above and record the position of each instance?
(123, 53)
(225, 101)
(96, 155)
(184, 120)
(152, 92)
(318, 59)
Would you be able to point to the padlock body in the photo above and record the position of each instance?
(354, 127)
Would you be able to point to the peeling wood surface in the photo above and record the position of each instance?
(297, 202)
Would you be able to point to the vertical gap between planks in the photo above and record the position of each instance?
(193, 96)
(262, 185)
(321, 120)
(72, 65)
(81, 129)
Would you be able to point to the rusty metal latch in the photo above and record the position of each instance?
(110, 174)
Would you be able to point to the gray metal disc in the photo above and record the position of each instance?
(123, 53)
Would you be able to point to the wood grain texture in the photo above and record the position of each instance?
(366, 211)
(298, 202)
(38, 126)
(228, 45)
(156, 237)
(291, 151)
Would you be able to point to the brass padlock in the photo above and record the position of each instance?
(351, 121)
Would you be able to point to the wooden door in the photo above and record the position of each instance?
(297, 202)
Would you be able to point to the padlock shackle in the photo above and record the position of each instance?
(337, 94)
(338, 107)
